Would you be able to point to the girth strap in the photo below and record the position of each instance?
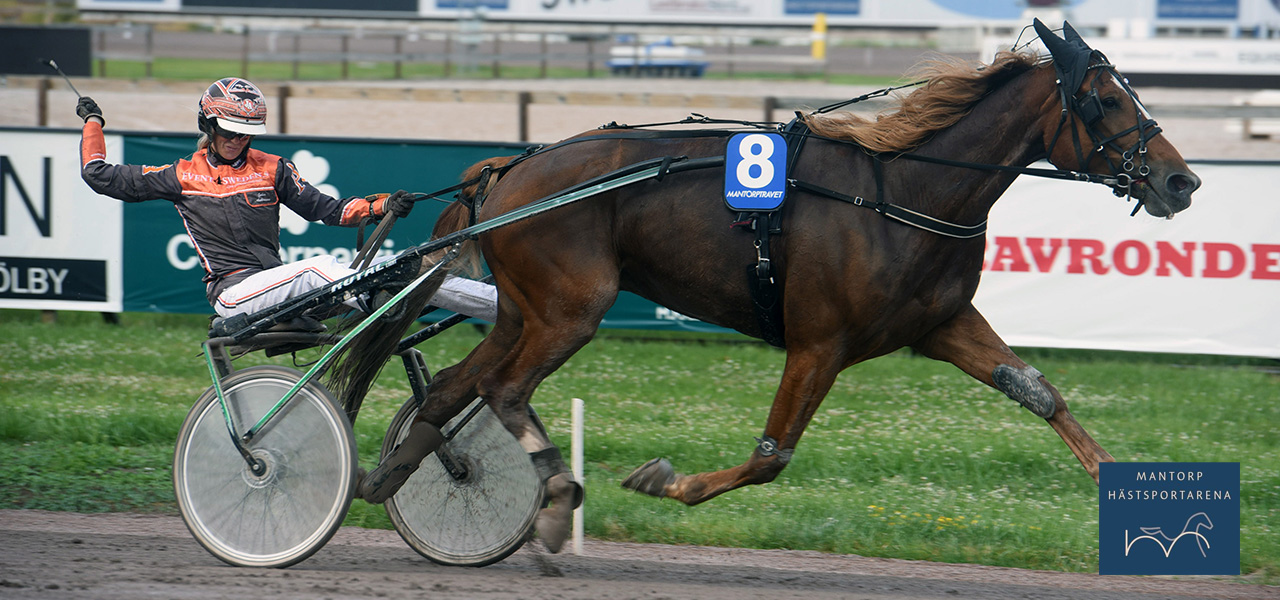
(766, 294)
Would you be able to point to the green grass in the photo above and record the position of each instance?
(907, 457)
(201, 69)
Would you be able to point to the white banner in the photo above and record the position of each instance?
(1067, 268)
(916, 13)
(1174, 55)
(1245, 14)
(60, 242)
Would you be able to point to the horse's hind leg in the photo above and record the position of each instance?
(968, 342)
(806, 379)
(453, 388)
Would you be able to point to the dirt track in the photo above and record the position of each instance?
(51, 555)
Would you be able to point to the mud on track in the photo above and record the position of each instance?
(50, 555)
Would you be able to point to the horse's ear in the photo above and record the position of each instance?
(1071, 55)
(1069, 34)
(1042, 30)
(1056, 45)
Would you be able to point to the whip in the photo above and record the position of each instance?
(54, 65)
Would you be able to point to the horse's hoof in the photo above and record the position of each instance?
(651, 478)
(555, 521)
(384, 481)
(553, 527)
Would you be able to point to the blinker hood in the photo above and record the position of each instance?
(1070, 54)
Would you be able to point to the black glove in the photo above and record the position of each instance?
(88, 108)
(398, 204)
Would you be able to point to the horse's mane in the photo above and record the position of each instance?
(952, 86)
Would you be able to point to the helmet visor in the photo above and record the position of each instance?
(242, 128)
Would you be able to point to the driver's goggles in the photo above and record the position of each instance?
(230, 135)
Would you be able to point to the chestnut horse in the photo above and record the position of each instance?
(853, 284)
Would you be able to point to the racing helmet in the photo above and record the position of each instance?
(233, 104)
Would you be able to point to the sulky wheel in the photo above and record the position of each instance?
(286, 512)
(471, 503)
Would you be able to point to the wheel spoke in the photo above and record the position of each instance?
(283, 515)
(479, 520)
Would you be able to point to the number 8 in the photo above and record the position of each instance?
(750, 159)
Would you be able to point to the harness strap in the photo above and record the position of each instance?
(877, 172)
(664, 168)
(1109, 180)
(766, 294)
(798, 130)
(370, 249)
(895, 212)
(364, 222)
(482, 192)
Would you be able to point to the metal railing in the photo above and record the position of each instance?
(772, 108)
(457, 53)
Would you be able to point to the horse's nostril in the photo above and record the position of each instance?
(1179, 183)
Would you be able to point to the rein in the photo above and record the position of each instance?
(625, 132)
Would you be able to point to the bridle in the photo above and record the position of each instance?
(1089, 109)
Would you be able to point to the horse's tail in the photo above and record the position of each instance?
(364, 357)
(357, 366)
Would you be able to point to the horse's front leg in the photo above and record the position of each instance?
(806, 379)
(968, 342)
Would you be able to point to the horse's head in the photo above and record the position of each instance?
(1104, 129)
(1198, 521)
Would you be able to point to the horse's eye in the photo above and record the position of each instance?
(1110, 103)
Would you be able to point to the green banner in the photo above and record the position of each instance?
(163, 274)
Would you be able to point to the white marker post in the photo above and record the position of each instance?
(575, 460)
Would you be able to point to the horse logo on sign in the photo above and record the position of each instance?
(1194, 524)
(1137, 503)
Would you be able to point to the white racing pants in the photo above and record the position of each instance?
(273, 286)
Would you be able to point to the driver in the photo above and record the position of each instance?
(229, 198)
